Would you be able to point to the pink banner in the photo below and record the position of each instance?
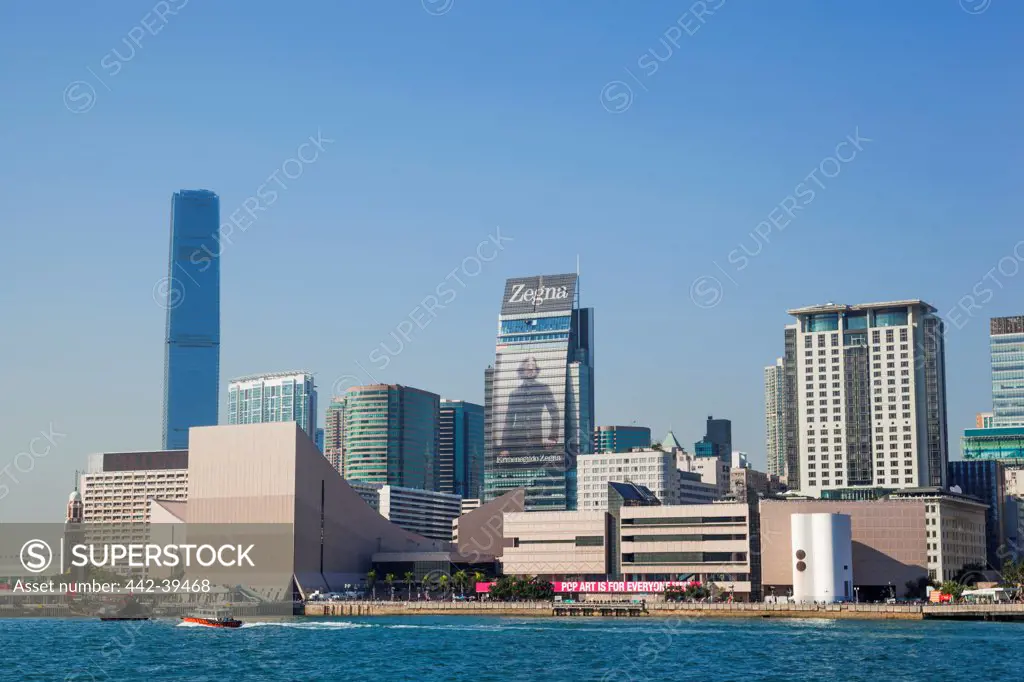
(621, 586)
(483, 588)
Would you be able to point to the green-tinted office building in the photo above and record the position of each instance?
(391, 436)
(996, 443)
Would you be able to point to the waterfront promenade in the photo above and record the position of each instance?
(1001, 612)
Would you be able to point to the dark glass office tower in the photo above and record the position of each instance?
(539, 396)
(717, 441)
(192, 351)
(984, 480)
(461, 448)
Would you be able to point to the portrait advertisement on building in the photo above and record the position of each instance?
(529, 390)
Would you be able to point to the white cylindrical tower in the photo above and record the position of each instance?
(822, 557)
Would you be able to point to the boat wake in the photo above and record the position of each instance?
(286, 624)
(343, 625)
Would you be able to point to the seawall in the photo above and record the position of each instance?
(1003, 612)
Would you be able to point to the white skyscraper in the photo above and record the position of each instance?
(871, 396)
(774, 418)
(281, 397)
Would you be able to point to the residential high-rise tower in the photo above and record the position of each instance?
(871, 396)
(280, 397)
(775, 418)
(334, 434)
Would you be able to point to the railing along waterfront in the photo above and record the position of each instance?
(675, 609)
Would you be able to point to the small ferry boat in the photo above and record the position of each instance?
(213, 618)
(130, 610)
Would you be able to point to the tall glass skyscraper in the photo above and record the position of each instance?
(1007, 344)
(192, 285)
(461, 449)
(539, 396)
(281, 397)
(391, 436)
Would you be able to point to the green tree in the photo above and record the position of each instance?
(443, 581)
(953, 589)
(1012, 577)
(390, 580)
(461, 578)
(371, 581)
(410, 578)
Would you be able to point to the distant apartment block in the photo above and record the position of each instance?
(791, 408)
(621, 438)
(872, 396)
(653, 469)
(426, 513)
(334, 434)
(117, 486)
(775, 418)
(280, 397)
(712, 471)
(983, 420)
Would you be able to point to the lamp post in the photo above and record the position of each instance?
(856, 595)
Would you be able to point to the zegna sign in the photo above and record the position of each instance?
(520, 294)
(547, 292)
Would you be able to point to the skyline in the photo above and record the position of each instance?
(408, 186)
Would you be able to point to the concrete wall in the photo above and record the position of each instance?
(481, 530)
(242, 474)
(274, 474)
(546, 543)
(888, 539)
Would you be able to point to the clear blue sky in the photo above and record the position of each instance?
(489, 114)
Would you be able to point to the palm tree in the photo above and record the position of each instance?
(460, 579)
(390, 580)
(371, 581)
(410, 578)
(478, 577)
(953, 589)
(442, 582)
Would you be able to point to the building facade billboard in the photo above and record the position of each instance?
(539, 294)
(619, 586)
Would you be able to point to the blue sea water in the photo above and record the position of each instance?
(429, 649)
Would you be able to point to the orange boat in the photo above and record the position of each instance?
(213, 618)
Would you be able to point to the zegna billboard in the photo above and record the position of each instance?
(540, 294)
(529, 384)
